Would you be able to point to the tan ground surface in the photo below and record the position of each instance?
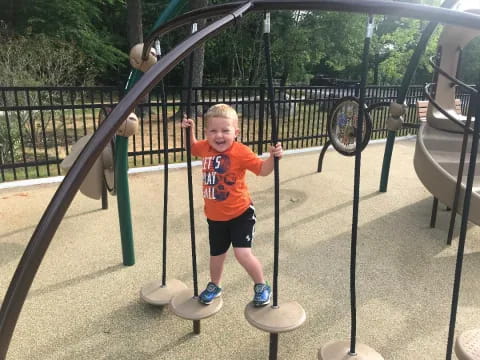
(84, 304)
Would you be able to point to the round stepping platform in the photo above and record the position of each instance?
(340, 350)
(286, 317)
(156, 294)
(467, 345)
(187, 307)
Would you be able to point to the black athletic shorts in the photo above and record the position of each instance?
(239, 232)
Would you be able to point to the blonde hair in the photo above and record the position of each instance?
(222, 110)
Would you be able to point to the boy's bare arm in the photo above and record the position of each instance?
(189, 123)
(267, 166)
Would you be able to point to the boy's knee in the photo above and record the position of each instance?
(242, 253)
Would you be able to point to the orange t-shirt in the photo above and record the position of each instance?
(224, 188)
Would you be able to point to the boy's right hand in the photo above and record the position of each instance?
(187, 123)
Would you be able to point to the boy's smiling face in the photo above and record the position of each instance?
(221, 132)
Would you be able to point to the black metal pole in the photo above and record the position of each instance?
(104, 196)
(188, 110)
(433, 217)
(273, 349)
(163, 96)
(266, 37)
(261, 119)
(463, 227)
(461, 166)
(273, 116)
(322, 155)
(356, 186)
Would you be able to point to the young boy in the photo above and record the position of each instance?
(228, 207)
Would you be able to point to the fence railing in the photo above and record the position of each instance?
(38, 125)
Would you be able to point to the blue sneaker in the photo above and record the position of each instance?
(211, 292)
(263, 294)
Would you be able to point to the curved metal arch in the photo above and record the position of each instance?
(53, 215)
(187, 18)
(381, 7)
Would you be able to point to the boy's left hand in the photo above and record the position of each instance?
(276, 151)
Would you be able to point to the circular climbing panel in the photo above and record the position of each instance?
(342, 126)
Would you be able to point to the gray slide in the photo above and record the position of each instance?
(439, 140)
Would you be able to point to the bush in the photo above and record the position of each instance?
(42, 61)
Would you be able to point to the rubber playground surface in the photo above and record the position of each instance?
(84, 304)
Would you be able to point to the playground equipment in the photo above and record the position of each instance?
(443, 143)
(398, 106)
(440, 139)
(342, 126)
(103, 171)
(278, 318)
(185, 304)
(45, 230)
(102, 176)
(159, 292)
(138, 62)
(338, 350)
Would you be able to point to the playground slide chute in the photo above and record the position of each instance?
(46, 228)
(439, 140)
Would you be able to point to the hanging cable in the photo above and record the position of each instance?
(356, 189)
(163, 97)
(273, 115)
(188, 111)
(461, 165)
(463, 227)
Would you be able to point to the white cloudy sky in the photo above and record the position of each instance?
(470, 4)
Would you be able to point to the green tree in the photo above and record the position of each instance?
(469, 64)
(94, 27)
(236, 55)
(134, 22)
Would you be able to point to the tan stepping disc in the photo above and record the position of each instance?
(156, 294)
(340, 350)
(286, 317)
(186, 306)
(467, 345)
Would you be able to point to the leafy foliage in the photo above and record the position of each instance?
(91, 26)
(304, 43)
(39, 60)
(470, 66)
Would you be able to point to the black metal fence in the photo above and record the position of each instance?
(38, 125)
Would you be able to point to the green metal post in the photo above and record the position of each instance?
(172, 9)
(387, 159)
(123, 200)
(121, 158)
